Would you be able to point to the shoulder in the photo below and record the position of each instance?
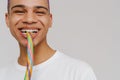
(82, 70)
(73, 61)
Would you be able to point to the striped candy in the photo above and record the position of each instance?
(30, 59)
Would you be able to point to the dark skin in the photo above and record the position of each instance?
(30, 14)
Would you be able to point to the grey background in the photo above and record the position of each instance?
(85, 29)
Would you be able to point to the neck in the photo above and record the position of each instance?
(42, 52)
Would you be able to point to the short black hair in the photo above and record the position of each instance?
(8, 5)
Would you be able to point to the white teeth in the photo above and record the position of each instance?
(29, 30)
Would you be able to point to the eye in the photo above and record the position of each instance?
(40, 12)
(19, 12)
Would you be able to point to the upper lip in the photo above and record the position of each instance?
(24, 29)
(29, 28)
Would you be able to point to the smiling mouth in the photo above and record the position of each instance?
(33, 32)
(24, 31)
(30, 31)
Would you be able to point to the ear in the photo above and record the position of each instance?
(7, 19)
(51, 21)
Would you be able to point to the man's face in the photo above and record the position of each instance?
(29, 15)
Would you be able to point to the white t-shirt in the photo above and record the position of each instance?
(58, 67)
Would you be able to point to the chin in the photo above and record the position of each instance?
(23, 44)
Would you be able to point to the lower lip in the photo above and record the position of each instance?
(33, 35)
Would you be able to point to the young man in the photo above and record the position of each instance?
(49, 64)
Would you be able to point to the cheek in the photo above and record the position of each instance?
(13, 24)
(45, 21)
(14, 20)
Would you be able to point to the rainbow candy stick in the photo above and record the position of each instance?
(30, 59)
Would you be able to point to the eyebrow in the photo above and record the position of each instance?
(41, 7)
(22, 6)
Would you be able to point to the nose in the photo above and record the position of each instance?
(29, 18)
